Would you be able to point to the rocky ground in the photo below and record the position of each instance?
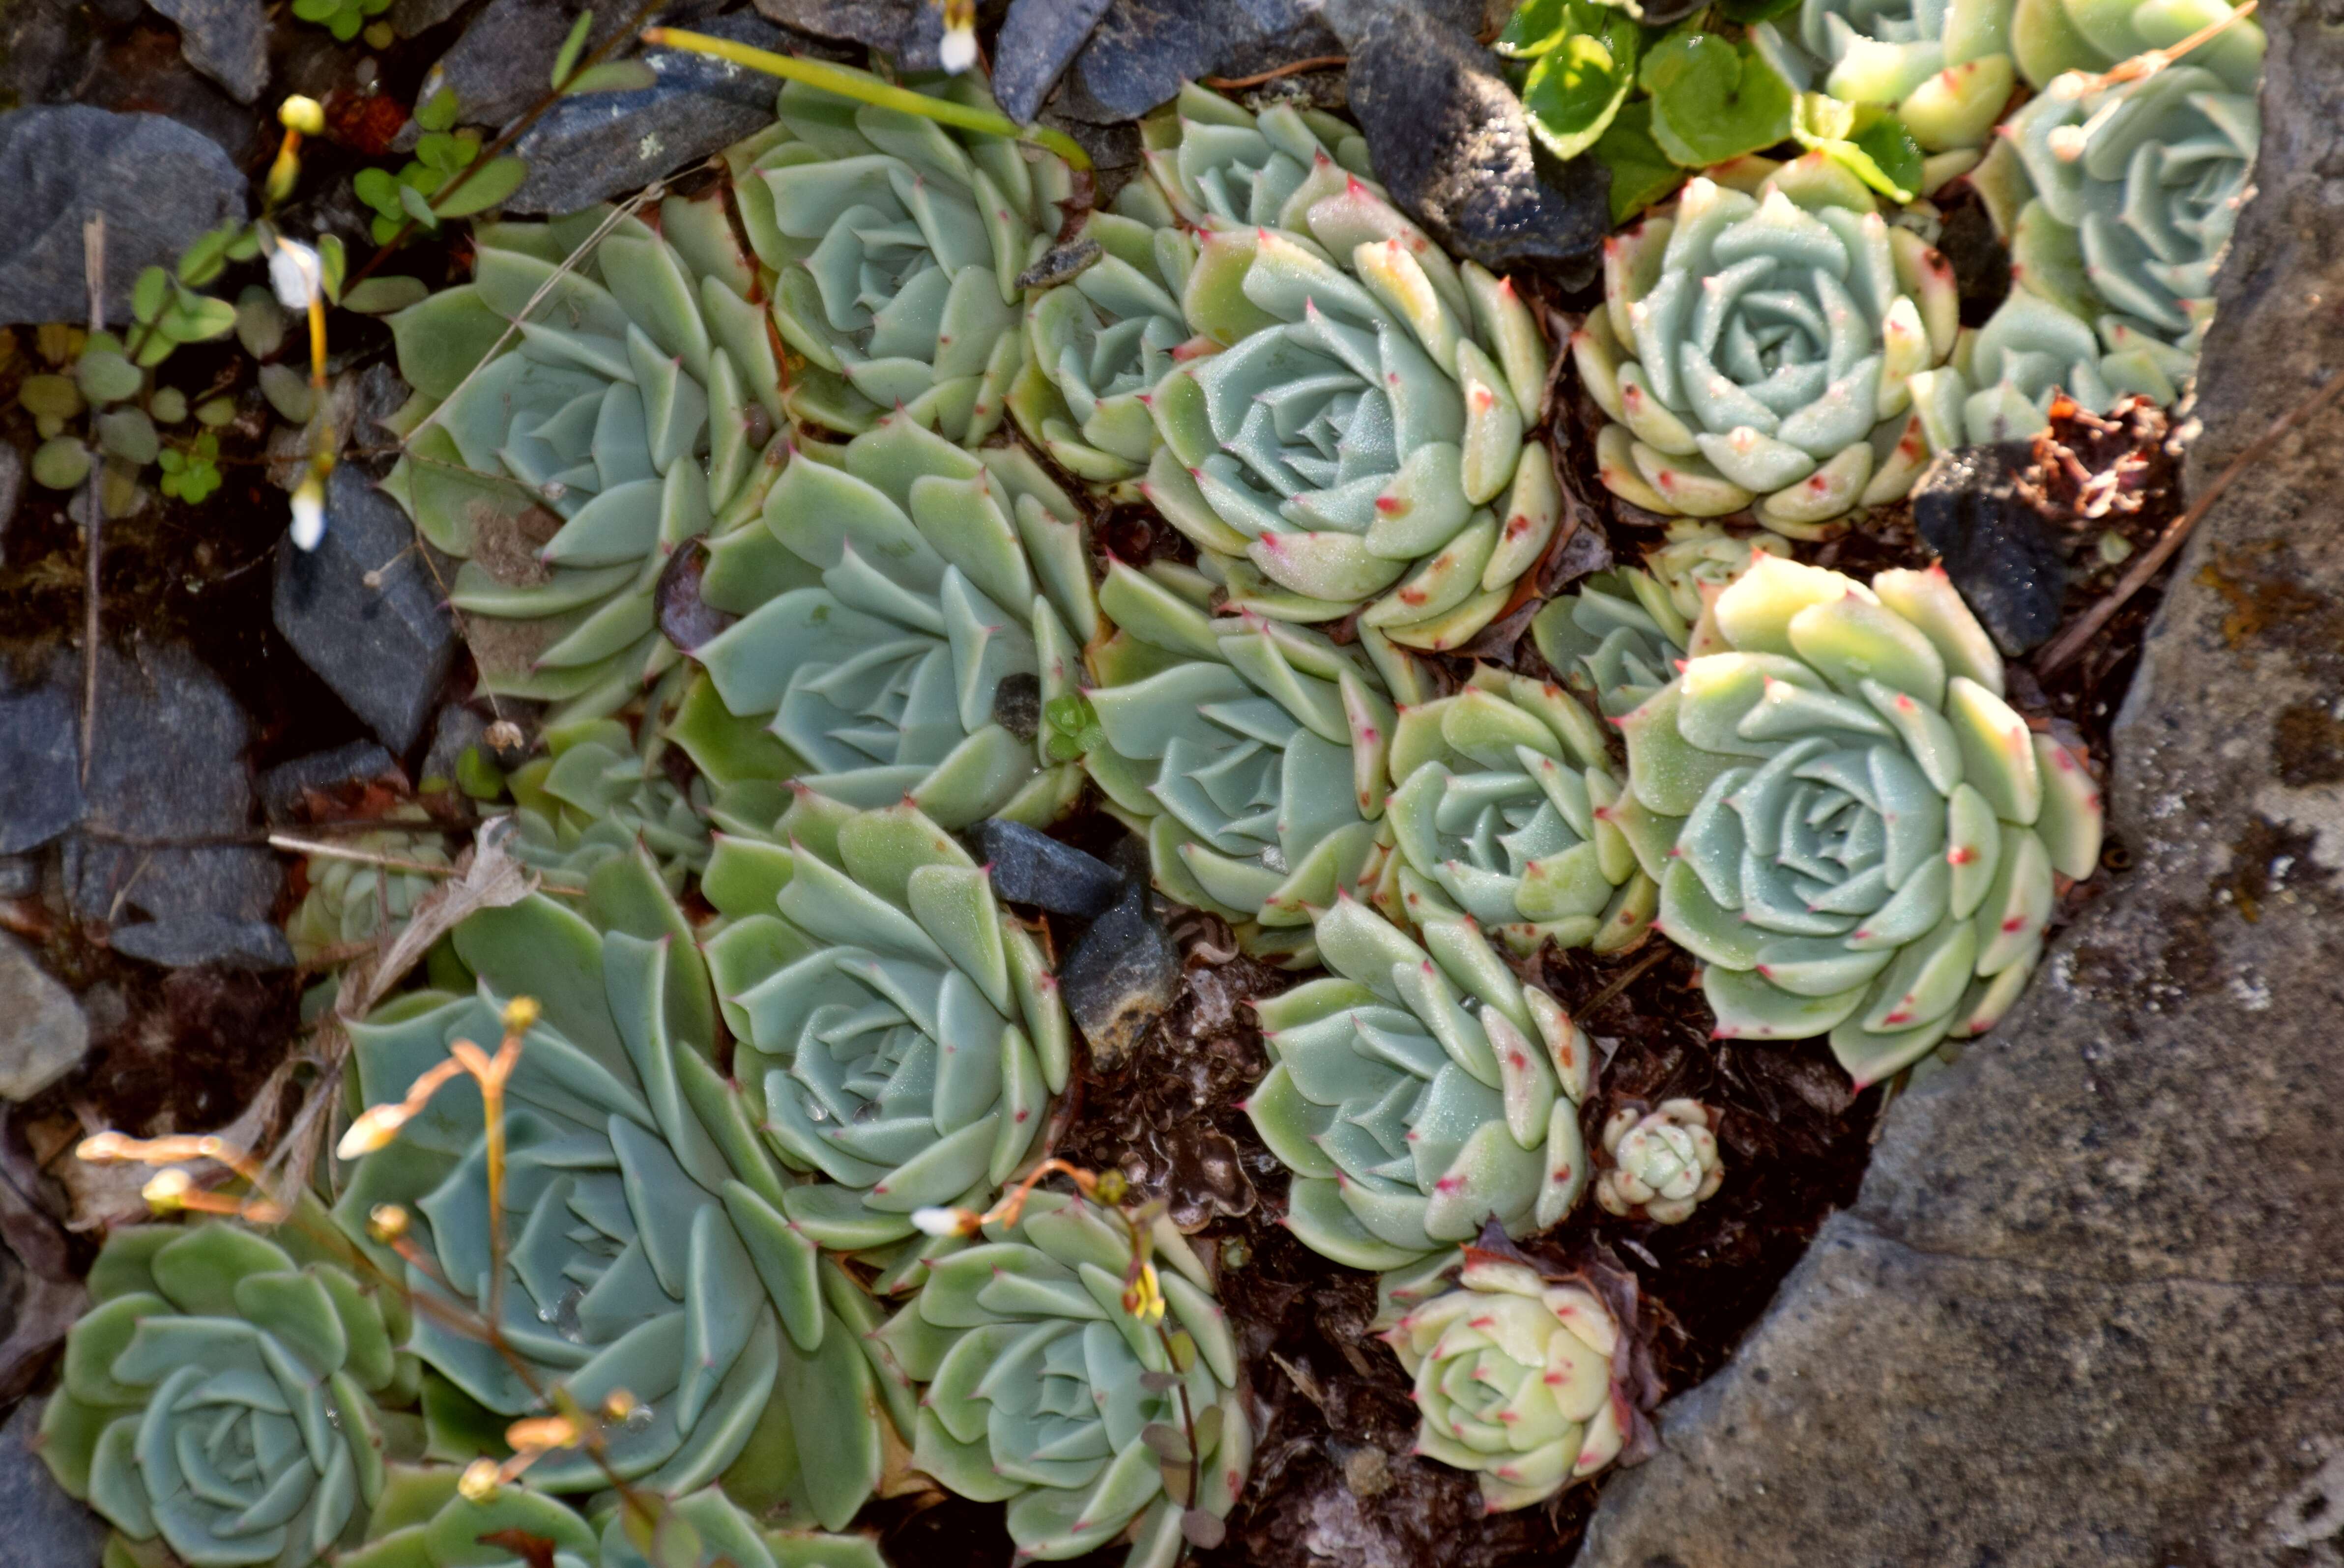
(2075, 1311)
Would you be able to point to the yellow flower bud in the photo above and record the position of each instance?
(373, 1130)
(386, 1222)
(478, 1481)
(168, 1191)
(521, 1014)
(305, 116)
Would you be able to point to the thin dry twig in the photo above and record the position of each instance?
(93, 264)
(1619, 982)
(1316, 63)
(2071, 641)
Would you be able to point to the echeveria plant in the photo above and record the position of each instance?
(907, 609)
(1701, 559)
(1943, 65)
(350, 902)
(1251, 752)
(897, 242)
(1498, 806)
(1097, 344)
(1515, 1380)
(1852, 830)
(904, 1035)
(1664, 1161)
(1213, 164)
(221, 1398)
(620, 418)
(2050, 37)
(598, 794)
(1754, 349)
(1047, 1388)
(1615, 637)
(645, 1243)
(1358, 435)
(1419, 1092)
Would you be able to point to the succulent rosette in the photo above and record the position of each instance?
(572, 428)
(1664, 1161)
(2118, 200)
(907, 607)
(1251, 753)
(1044, 1389)
(1754, 349)
(1515, 1380)
(1358, 435)
(220, 1398)
(1497, 808)
(1212, 164)
(351, 902)
(1701, 559)
(645, 1245)
(598, 794)
(1851, 828)
(1098, 343)
(902, 1035)
(1943, 65)
(424, 1521)
(896, 243)
(1615, 639)
(1419, 1092)
(2000, 382)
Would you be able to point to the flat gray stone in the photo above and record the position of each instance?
(1036, 40)
(2088, 1306)
(45, 1036)
(1142, 50)
(40, 761)
(906, 31)
(169, 798)
(226, 40)
(159, 182)
(283, 785)
(385, 648)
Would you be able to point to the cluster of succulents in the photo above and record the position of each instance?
(750, 488)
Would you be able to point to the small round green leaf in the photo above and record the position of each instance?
(1712, 102)
(61, 464)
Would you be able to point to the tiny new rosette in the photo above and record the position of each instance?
(1664, 1161)
(1761, 349)
(1852, 830)
(1419, 1092)
(1520, 1380)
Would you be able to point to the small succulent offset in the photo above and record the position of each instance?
(1249, 751)
(622, 419)
(902, 1034)
(1214, 165)
(1045, 1388)
(1515, 1380)
(1356, 436)
(1615, 639)
(896, 243)
(1498, 808)
(1664, 1162)
(424, 1520)
(1852, 830)
(1943, 65)
(643, 1244)
(2001, 381)
(906, 606)
(222, 1397)
(1097, 344)
(1701, 559)
(350, 902)
(599, 794)
(1419, 1092)
(1754, 348)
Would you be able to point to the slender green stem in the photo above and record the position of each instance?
(868, 89)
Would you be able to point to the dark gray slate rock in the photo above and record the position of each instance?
(906, 31)
(2085, 1313)
(1450, 139)
(20, 875)
(12, 489)
(589, 149)
(1143, 49)
(385, 649)
(458, 730)
(45, 1036)
(40, 761)
(167, 783)
(360, 761)
(497, 68)
(1996, 546)
(409, 17)
(159, 183)
(1036, 41)
(46, 1528)
(1120, 976)
(1029, 867)
(180, 941)
(226, 40)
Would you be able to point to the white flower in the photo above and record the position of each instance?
(297, 275)
(943, 1222)
(957, 52)
(309, 513)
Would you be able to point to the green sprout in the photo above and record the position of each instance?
(342, 18)
(191, 474)
(1074, 728)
